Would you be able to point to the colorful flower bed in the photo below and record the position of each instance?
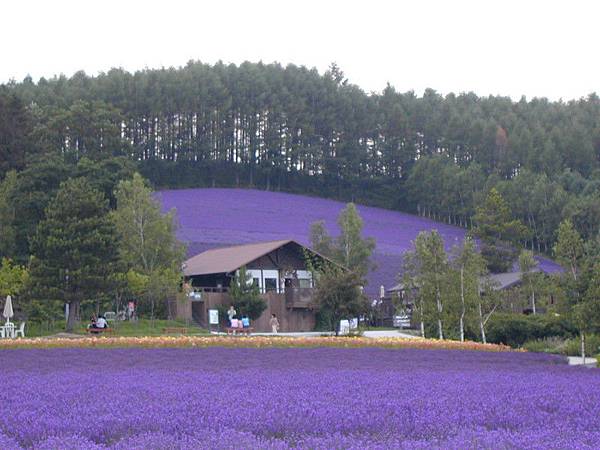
(279, 398)
(248, 342)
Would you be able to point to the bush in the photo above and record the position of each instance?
(516, 329)
(548, 345)
(592, 345)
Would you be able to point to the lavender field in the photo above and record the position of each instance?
(216, 217)
(294, 398)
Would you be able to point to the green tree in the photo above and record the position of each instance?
(411, 293)
(12, 278)
(569, 251)
(469, 265)
(74, 249)
(36, 186)
(587, 312)
(148, 244)
(432, 263)
(488, 302)
(349, 249)
(339, 295)
(15, 132)
(8, 242)
(246, 295)
(498, 231)
(529, 276)
(320, 240)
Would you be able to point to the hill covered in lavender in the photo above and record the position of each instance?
(211, 218)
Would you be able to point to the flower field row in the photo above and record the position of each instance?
(248, 342)
(295, 398)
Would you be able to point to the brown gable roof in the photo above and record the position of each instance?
(229, 259)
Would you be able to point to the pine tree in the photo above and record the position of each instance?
(246, 295)
(74, 249)
(8, 240)
(498, 231)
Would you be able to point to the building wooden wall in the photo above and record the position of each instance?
(289, 319)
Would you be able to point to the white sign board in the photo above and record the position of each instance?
(213, 316)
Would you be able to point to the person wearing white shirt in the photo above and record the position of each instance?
(101, 322)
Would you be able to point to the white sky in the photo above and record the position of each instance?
(527, 47)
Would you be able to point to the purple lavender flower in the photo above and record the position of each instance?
(295, 398)
(216, 217)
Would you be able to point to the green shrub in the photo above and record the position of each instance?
(592, 345)
(547, 345)
(516, 329)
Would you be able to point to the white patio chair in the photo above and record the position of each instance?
(2, 333)
(110, 316)
(9, 330)
(20, 331)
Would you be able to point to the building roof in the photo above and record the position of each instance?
(499, 281)
(506, 280)
(229, 259)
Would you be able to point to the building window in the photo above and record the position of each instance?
(304, 283)
(270, 284)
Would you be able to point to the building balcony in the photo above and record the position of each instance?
(299, 298)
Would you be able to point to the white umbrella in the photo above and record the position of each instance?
(8, 309)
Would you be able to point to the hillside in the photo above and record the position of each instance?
(297, 130)
(217, 217)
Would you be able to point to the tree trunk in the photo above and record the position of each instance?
(481, 325)
(72, 319)
(422, 320)
(152, 310)
(439, 309)
(533, 301)
(462, 299)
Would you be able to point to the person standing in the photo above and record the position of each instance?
(231, 312)
(274, 324)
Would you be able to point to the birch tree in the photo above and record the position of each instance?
(411, 293)
(147, 238)
(352, 250)
(433, 265)
(487, 303)
(527, 267)
(469, 265)
(349, 249)
(569, 251)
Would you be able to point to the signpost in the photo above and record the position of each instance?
(213, 318)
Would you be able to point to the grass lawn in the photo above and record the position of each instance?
(144, 327)
(141, 327)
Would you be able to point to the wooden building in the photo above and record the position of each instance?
(507, 283)
(278, 268)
